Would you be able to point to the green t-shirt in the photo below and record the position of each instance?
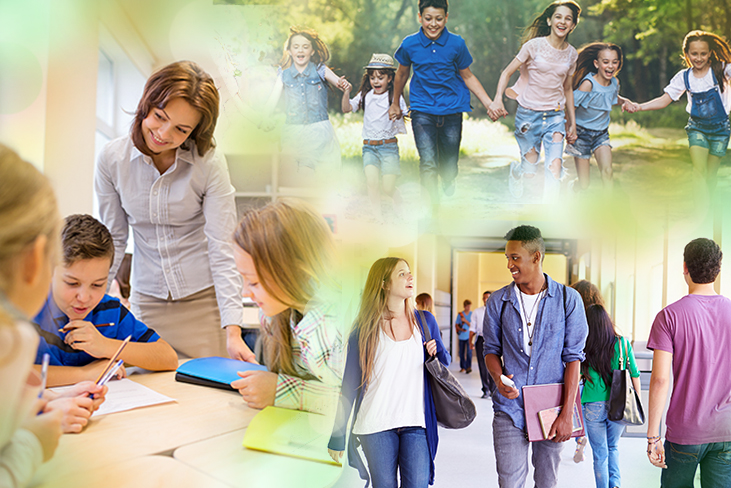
(595, 390)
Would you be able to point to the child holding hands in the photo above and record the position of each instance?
(440, 92)
(380, 146)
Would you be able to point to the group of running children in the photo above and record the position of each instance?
(562, 95)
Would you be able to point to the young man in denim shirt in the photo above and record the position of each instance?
(440, 92)
(538, 328)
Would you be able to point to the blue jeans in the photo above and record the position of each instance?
(604, 440)
(404, 448)
(465, 355)
(437, 139)
(511, 454)
(683, 460)
(535, 129)
(587, 142)
(712, 137)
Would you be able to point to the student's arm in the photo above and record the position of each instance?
(495, 368)
(69, 375)
(333, 79)
(496, 108)
(474, 85)
(659, 386)
(570, 111)
(345, 102)
(399, 82)
(563, 425)
(655, 104)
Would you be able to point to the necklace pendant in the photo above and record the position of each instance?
(529, 324)
(530, 343)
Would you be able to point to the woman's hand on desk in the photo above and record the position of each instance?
(259, 388)
(90, 390)
(75, 411)
(236, 346)
(336, 455)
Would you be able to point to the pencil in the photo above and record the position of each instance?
(114, 358)
(63, 329)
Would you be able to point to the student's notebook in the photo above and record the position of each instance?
(214, 371)
(537, 398)
(291, 433)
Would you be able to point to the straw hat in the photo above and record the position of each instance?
(379, 61)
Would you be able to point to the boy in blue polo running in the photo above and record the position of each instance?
(80, 326)
(440, 92)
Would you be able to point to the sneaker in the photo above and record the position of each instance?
(469, 370)
(448, 188)
(580, 446)
(461, 370)
(515, 180)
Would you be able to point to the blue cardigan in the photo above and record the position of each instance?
(352, 391)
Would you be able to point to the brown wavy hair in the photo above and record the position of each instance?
(293, 249)
(539, 27)
(374, 312)
(720, 53)
(186, 80)
(320, 52)
(590, 53)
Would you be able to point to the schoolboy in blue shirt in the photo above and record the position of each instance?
(440, 92)
(80, 327)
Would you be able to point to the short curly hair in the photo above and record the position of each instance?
(530, 238)
(84, 237)
(703, 259)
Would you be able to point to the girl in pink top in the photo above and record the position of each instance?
(546, 62)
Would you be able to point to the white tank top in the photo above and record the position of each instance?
(395, 394)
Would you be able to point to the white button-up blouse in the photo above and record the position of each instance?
(182, 220)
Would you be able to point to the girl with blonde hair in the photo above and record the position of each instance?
(394, 418)
(29, 228)
(285, 253)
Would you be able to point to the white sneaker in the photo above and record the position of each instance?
(515, 183)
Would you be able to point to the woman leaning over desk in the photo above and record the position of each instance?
(168, 182)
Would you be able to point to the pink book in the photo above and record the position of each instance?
(537, 398)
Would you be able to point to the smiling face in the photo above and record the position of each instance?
(253, 288)
(433, 20)
(379, 81)
(524, 266)
(562, 22)
(301, 50)
(699, 55)
(78, 288)
(402, 282)
(607, 64)
(165, 129)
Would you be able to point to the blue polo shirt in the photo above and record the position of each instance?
(436, 86)
(109, 310)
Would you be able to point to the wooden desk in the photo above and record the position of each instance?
(199, 413)
(225, 459)
(141, 472)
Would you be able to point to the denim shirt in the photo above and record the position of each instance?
(306, 94)
(559, 338)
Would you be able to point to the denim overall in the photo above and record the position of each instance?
(708, 125)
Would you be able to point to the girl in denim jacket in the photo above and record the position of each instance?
(709, 100)
(308, 137)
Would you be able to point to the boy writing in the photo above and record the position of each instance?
(440, 92)
(80, 326)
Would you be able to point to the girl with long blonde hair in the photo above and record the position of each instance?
(394, 418)
(285, 253)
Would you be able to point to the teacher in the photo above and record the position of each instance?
(168, 183)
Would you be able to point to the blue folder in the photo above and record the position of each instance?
(214, 371)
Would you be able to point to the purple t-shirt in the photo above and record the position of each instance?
(697, 331)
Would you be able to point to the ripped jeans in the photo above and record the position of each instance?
(533, 129)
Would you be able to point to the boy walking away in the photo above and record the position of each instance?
(80, 326)
(693, 335)
(462, 324)
(439, 93)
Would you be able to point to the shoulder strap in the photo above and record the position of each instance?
(424, 325)
(685, 78)
(621, 352)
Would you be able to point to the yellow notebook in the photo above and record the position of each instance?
(290, 433)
